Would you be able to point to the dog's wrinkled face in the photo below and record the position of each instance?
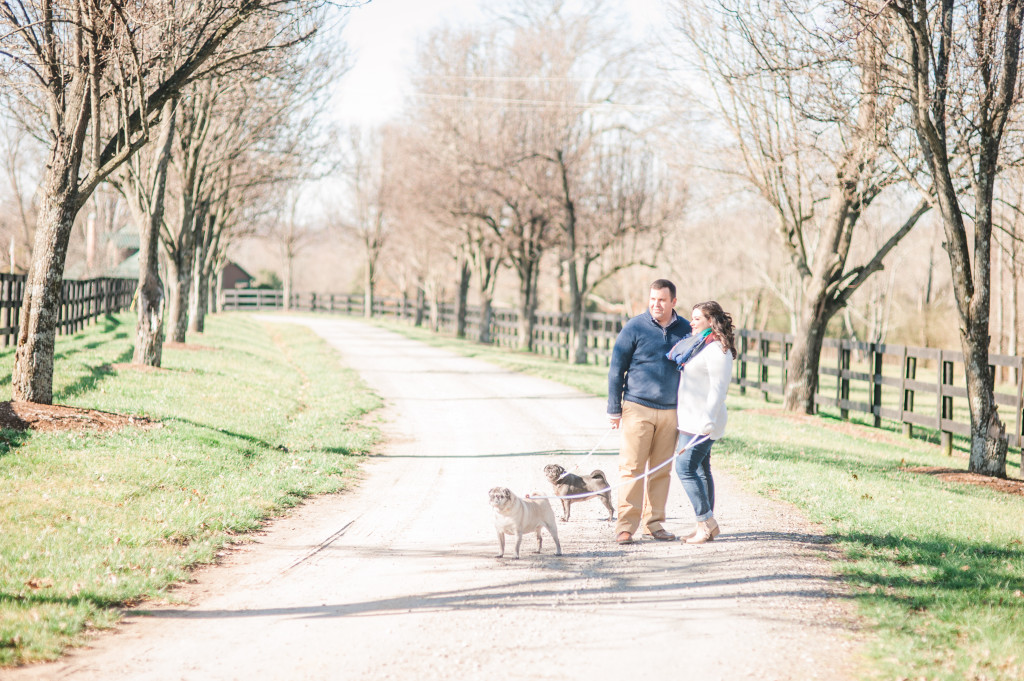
(554, 472)
(501, 497)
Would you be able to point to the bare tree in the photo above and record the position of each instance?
(808, 138)
(618, 204)
(610, 188)
(457, 126)
(143, 183)
(196, 144)
(370, 202)
(959, 68)
(70, 60)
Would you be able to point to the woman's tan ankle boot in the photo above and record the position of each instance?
(713, 527)
(703, 534)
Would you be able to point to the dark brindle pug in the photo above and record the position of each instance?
(517, 516)
(567, 484)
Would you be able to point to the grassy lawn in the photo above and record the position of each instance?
(253, 418)
(936, 568)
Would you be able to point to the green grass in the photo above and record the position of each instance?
(257, 419)
(936, 568)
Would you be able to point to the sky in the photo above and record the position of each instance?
(382, 36)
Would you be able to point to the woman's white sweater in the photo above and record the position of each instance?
(702, 389)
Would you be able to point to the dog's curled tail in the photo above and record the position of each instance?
(599, 474)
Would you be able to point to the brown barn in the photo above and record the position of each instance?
(233, 276)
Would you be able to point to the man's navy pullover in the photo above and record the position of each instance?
(639, 371)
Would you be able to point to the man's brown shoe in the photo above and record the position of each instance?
(624, 538)
(661, 535)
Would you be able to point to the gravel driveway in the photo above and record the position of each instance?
(396, 579)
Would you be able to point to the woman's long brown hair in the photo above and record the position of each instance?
(721, 324)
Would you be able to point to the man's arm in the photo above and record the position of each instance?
(622, 355)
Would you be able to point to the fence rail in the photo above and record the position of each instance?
(922, 387)
(81, 302)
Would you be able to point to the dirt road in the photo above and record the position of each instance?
(397, 580)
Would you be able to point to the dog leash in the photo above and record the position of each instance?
(695, 440)
(589, 454)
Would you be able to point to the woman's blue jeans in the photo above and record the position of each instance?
(694, 470)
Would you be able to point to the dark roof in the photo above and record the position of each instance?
(126, 269)
(238, 267)
(127, 238)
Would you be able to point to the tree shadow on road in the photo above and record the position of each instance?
(624, 578)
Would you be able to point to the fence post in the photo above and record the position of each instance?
(945, 405)
(876, 388)
(843, 385)
(1017, 373)
(763, 368)
(6, 285)
(909, 373)
(742, 364)
(786, 347)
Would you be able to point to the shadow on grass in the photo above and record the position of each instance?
(254, 443)
(810, 455)
(41, 597)
(96, 375)
(938, 573)
(10, 438)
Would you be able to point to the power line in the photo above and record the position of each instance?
(521, 79)
(540, 103)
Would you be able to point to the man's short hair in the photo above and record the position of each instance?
(665, 283)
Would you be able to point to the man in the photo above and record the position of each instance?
(642, 386)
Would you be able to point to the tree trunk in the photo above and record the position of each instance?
(577, 324)
(32, 377)
(462, 297)
(60, 201)
(486, 317)
(368, 292)
(214, 296)
(197, 321)
(197, 291)
(577, 316)
(1014, 298)
(435, 309)
(973, 298)
(180, 273)
(527, 306)
(578, 337)
(577, 328)
(289, 273)
(149, 328)
(988, 434)
(421, 305)
(803, 362)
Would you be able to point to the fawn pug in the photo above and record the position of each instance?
(567, 484)
(516, 516)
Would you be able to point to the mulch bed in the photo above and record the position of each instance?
(57, 418)
(1005, 485)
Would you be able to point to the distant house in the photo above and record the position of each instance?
(233, 276)
(123, 249)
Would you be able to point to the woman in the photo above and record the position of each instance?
(705, 360)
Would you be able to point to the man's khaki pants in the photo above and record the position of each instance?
(648, 439)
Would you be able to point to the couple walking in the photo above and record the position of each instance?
(667, 384)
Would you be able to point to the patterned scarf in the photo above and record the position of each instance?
(685, 350)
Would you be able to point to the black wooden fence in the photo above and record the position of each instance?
(922, 387)
(81, 302)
